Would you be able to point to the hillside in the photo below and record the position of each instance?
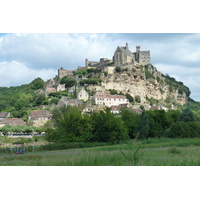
(19, 99)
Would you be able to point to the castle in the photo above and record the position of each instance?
(122, 57)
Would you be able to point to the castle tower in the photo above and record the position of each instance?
(127, 46)
(137, 53)
(137, 48)
(86, 62)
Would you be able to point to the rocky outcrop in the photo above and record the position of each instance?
(143, 81)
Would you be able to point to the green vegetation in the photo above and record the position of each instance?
(148, 74)
(20, 99)
(130, 98)
(118, 69)
(137, 99)
(150, 152)
(177, 85)
(90, 71)
(68, 81)
(69, 125)
(22, 129)
(93, 81)
(113, 91)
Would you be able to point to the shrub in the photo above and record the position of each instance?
(137, 99)
(118, 69)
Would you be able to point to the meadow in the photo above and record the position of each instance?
(149, 152)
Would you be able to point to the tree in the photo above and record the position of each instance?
(118, 69)
(37, 83)
(144, 124)
(68, 81)
(108, 127)
(137, 99)
(131, 121)
(130, 98)
(187, 116)
(69, 125)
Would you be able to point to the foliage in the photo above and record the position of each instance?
(54, 100)
(69, 125)
(108, 127)
(131, 121)
(148, 74)
(93, 81)
(18, 129)
(118, 69)
(113, 91)
(144, 124)
(36, 84)
(130, 98)
(68, 81)
(177, 85)
(137, 99)
(187, 116)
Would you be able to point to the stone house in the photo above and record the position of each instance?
(88, 108)
(60, 87)
(12, 122)
(49, 90)
(71, 102)
(71, 90)
(39, 117)
(4, 115)
(109, 100)
(83, 94)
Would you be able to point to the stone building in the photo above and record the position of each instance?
(4, 115)
(60, 87)
(123, 56)
(83, 94)
(39, 117)
(12, 122)
(64, 72)
(109, 100)
(69, 102)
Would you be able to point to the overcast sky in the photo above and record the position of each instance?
(24, 57)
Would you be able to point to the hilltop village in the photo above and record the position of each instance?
(127, 80)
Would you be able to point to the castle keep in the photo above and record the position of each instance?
(123, 56)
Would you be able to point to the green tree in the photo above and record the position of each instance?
(130, 98)
(37, 83)
(68, 81)
(144, 124)
(69, 125)
(187, 116)
(108, 127)
(118, 69)
(131, 121)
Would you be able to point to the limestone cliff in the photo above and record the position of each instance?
(145, 82)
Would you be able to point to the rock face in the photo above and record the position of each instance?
(143, 81)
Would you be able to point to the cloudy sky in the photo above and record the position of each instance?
(24, 57)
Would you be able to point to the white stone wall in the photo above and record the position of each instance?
(83, 95)
(110, 101)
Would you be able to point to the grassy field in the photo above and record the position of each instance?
(152, 152)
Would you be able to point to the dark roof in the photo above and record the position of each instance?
(4, 114)
(126, 51)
